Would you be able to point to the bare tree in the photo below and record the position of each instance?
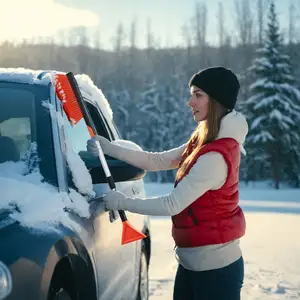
(97, 39)
(119, 38)
(133, 34)
(244, 20)
(224, 38)
(201, 24)
(260, 21)
(96, 62)
(221, 24)
(188, 65)
(61, 37)
(149, 36)
(82, 36)
(148, 51)
(262, 9)
(80, 40)
(186, 34)
(133, 79)
(118, 54)
(292, 21)
(149, 45)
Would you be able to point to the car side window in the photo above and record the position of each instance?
(110, 131)
(101, 126)
(19, 131)
(77, 135)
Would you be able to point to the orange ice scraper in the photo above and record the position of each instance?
(68, 92)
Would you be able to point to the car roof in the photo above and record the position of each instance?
(43, 77)
(26, 76)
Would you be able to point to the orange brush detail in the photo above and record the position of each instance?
(67, 97)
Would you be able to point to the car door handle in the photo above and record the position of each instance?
(134, 191)
(94, 205)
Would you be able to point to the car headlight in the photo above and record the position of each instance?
(5, 281)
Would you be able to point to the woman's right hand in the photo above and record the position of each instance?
(92, 147)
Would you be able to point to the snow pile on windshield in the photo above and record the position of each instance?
(37, 204)
(80, 174)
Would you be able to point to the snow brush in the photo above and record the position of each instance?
(69, 94)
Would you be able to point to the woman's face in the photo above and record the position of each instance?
(199, 104)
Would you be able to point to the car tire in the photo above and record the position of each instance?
(62, 295)
(143, 289)
(64, 289)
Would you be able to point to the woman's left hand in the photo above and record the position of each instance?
(114, 200)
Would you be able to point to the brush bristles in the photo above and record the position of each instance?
(66, 96)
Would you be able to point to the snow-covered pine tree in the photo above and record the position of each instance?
(150, 124)
(120, 102)
(150, 117)
(273, 112)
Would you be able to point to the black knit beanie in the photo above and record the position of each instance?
(219, 83)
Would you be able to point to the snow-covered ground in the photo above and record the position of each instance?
(271, 246)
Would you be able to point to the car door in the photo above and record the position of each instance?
(116, 264)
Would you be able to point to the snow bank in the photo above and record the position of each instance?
(270, 248)
(254, 191)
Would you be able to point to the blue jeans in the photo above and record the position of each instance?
(219, 284)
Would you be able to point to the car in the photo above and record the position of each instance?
(57, 241)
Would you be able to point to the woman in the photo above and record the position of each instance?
(207, 221)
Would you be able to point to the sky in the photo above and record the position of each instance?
(33, 18)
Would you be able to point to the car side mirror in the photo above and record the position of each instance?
(120, 170)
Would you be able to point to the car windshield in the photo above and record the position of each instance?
(25, 128)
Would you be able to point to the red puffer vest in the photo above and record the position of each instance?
(215, 217)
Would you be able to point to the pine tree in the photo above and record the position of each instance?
(150, 124)
(120, 103)
(273, 112)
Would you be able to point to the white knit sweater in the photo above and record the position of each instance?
(208, 173)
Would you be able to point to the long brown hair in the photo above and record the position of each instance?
(205, 132)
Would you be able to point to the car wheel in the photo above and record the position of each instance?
(62, 295)
(143, 292)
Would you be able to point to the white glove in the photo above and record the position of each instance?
(92, 147)
(114, 200)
